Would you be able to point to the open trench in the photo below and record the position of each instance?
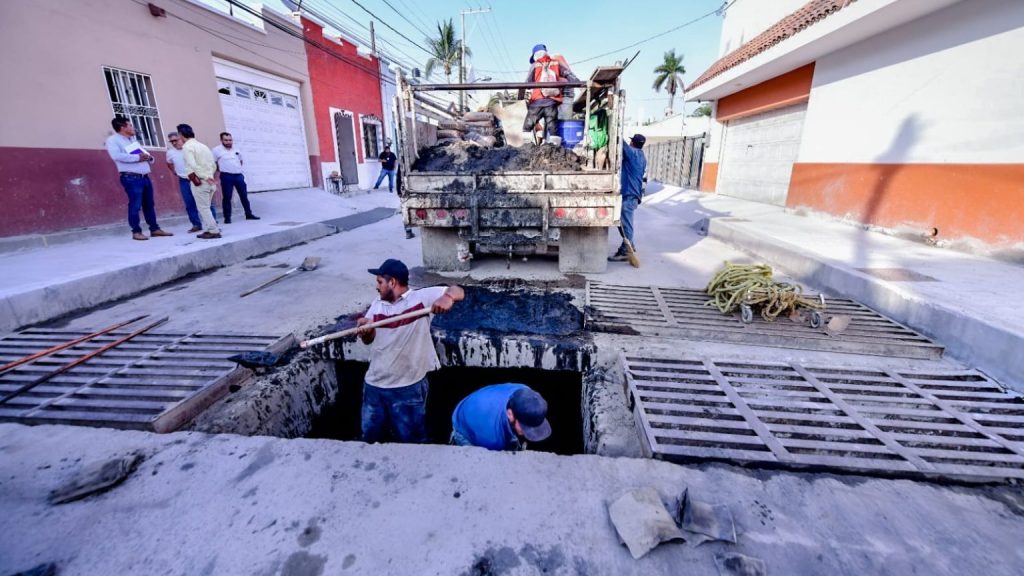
(506, 331)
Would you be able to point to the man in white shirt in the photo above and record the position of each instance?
(401, 354)
(132, 163)
(229, 163)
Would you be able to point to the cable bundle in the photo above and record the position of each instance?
(752, 284)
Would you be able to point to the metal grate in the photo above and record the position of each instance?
(681, 313)
(935, 424)
(153, 382)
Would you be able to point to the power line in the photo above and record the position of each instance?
(337, 26)
(403, 16)
(379, 19)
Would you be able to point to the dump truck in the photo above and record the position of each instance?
(511, 213)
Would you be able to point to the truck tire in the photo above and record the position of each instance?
(583, 249)
(444, 250)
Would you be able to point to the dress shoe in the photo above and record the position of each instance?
(251, 217)
(195, 229)
(156, 233)
(139, 236)
(208, 236)
(227, 220)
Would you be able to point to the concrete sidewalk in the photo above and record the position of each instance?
(966, 302)
(43, 283)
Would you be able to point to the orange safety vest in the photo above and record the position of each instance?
(538, 71)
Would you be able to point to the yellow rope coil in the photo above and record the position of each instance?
(752, 284)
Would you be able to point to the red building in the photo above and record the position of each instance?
(346, 105)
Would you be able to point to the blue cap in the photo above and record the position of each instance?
(393, 268)
(534, 51)
(531, 411)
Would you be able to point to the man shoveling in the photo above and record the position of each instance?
(401, 354)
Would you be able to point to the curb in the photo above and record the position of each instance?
(992, 349)
(49, 302)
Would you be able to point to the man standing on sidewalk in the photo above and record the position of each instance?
(229, 161)
(176, 164)
(201, 166)
(401, 354)
(634, 166)
(387, 168)
(132, 163)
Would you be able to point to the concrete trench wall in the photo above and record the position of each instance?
(286, 402)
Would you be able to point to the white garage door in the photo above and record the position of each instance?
(264, 117)
(758, 154)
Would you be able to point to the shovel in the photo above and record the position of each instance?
(310, 263)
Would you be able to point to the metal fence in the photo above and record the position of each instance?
(676, 162)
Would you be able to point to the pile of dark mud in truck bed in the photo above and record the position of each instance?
(469, 157)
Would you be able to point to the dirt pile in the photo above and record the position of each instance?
(468, 157)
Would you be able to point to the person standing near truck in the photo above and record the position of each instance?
(401, 354)
(387, 168)
(634, 166)
(543, 102)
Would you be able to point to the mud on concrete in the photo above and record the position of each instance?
(468, 157)
(518, 311)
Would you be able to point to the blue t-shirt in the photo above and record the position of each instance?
(482, 417)
(634, 165)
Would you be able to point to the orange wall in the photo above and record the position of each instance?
(983, 201)
(709, 177)
(790, 88)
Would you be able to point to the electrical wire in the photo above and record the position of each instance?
(404, 17)
(389, 26)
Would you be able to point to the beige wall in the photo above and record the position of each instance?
(53, 51)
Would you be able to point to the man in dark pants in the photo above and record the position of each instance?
(634, 166)
(387, 168)
(401, 354)
(132, 163)
(229, 164)
(501, 417)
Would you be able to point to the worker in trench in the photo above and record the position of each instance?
(543, 102)
(401, 354)
(501, 417)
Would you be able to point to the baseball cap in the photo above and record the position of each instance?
(638, 139)
(536, 49)
(394, 268)
(531, 410)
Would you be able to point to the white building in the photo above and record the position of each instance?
(897, 113)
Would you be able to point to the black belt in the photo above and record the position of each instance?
(134, 175)
(231, 173)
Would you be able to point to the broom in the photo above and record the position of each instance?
(634, 260)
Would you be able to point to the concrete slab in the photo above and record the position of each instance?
(45, 283)
(970, 306)
(202, 504)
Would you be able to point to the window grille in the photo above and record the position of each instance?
(132, 96)
(371, 139)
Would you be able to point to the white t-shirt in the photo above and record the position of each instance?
(177, 158)
(402, 355)
(229, 160)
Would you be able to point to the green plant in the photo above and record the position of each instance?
(670, 76)
(446, 50)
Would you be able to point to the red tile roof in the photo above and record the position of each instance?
(811, 13)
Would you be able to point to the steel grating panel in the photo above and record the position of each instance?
(682, 313)
(933, 424)
(155, 381)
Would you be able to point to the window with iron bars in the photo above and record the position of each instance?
(132, 96)
(371, 138)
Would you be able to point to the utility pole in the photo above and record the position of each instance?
(373, 40)
(462, 59)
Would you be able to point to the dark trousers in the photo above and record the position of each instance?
(139, 189)
(228, 183)
(629, 205)
(547, 113)
(190, 203)
(400, 413)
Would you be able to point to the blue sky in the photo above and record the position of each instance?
(578, 29)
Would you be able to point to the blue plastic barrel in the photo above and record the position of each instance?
(571, 132)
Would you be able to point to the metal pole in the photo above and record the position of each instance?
(373, 40)
(462, 58)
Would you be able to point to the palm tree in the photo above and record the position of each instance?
(446, 50)
(670, 75)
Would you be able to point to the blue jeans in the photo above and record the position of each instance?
(402, 412)
(228, 182)
(629, 205)
(190, 203)
(139, 189)
(391, 179)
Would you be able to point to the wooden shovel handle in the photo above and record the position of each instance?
(350, 331)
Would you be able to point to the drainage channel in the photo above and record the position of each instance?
(155, 381)
(935, 424)
(682, 313)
